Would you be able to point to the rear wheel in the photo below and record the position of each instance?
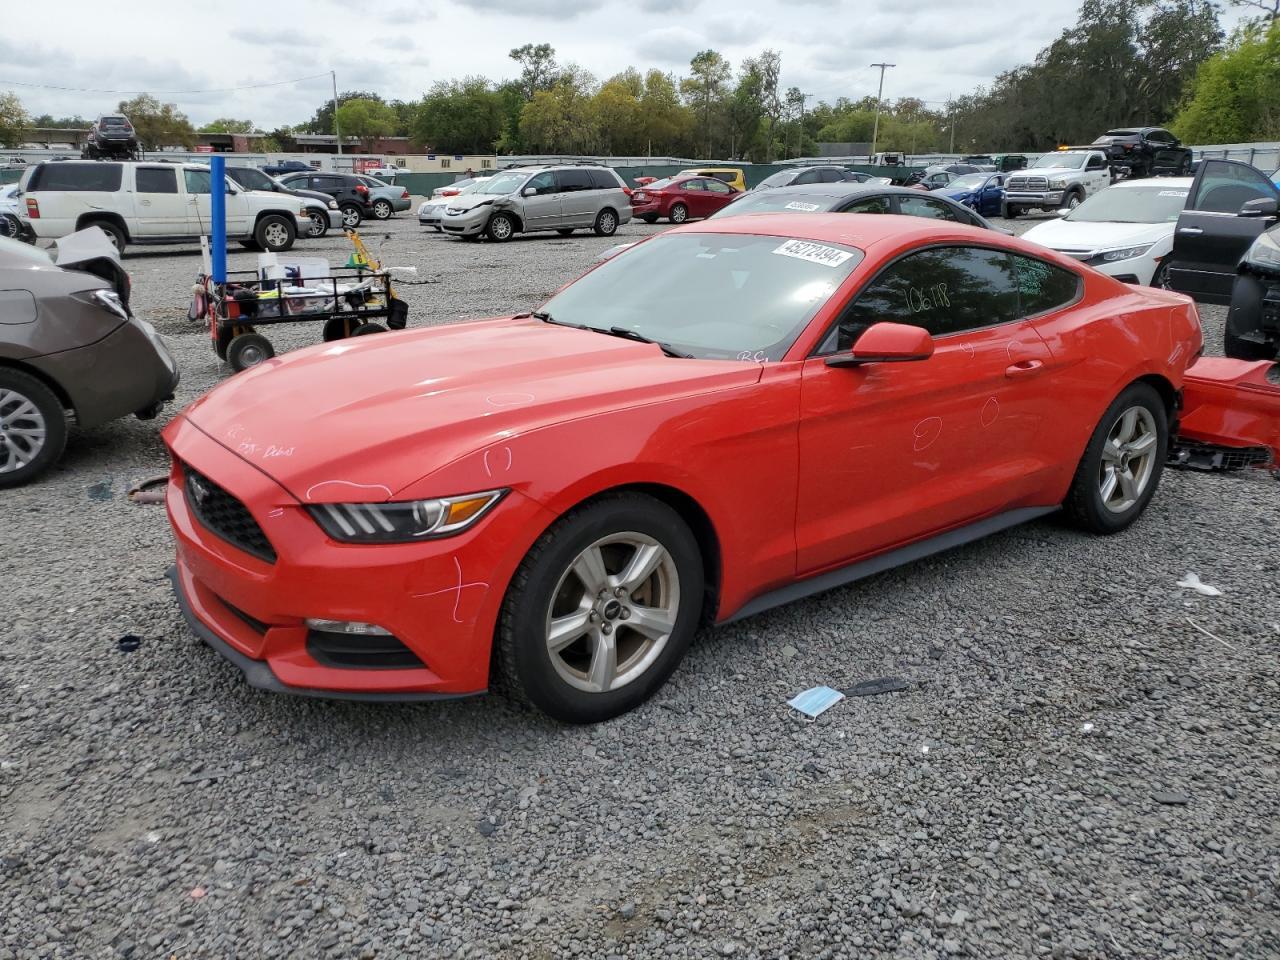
(565, 231)
(650, 218)
(382, 209)
(1121, 466)
(33, 427)
(249, 350)
(606, 223)
(274, 233)
(10, 226)
(602, 609)
(679, 213)
(351, 216)
(335, 328)
(113, 232)
(1238, 349)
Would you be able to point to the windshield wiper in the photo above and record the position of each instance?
(545, 318)
(628, 334)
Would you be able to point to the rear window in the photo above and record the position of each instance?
(605, 180)
(76, 176)
(573, 180)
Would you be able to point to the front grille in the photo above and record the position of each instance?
(362, 652)
(1028, 183)
(225, 516)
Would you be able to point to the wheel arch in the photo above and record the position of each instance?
(58, 389)
(1168, 393)
(94, 216)
(515, 218)
(262, 214)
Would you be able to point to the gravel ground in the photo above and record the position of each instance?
(1085, 766)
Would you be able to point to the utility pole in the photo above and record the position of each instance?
(337, 130)
(875, 130)
(803, 98)
(951, 122)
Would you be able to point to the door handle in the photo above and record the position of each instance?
(1023, 368)
(145, 203)
(1190, 231)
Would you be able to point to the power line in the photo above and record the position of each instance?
(163, 93)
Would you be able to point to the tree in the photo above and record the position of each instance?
(704, 90)
(158, 124)
(366, 120)
(544, 122)
(227, 125)
(745, 110)
(322, 120)
(13, 120)
(537, 67)
(460, 116)
(664, 120)
(1233, 98)
(616, 114)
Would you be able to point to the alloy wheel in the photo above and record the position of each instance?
(613, 612)
(501, 228)
(276, 235)
(351, 217)
(1128, 459)
(22, 430)
(318, 224)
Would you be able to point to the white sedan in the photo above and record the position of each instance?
(430, 211)
(1125, 230)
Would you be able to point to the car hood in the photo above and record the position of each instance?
(376, 413)
(310, 195)
(1047, 172)
(952, 194)
(1077, 235)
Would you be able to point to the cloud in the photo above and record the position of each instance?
(671, 46)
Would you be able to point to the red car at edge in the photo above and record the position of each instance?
(682, 198)
(559, 500)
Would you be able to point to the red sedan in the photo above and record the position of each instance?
(801, 402)
(682, 198)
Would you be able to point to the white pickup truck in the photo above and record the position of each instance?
(1064, 178)
(152, 202)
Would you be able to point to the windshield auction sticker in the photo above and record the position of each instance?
(801, 206)
(813, 252)
(1173, 193)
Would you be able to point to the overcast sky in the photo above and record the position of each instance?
(399, 48)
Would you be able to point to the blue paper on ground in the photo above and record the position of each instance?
(813, 702)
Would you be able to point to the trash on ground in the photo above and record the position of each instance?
(197, 893)
(872, 688)
(815, 701)
(128, 643)
(100, 491)
(150, 490)
(1171, 798)
(1086, 728)
(1193, 582)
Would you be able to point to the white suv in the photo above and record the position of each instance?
(135, 202)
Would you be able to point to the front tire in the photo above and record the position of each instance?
(275, 234)
(382, 210)
(601, 610)
(501, 228)
(1122, 463)
(1074, 199)
(33, 427)
(319, 224)
(1009, 212)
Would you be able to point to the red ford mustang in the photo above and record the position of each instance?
(558, 500)
(682, 198)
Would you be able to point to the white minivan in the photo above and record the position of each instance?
(152, 202)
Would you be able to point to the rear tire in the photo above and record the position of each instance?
(1238, 349)
(382, 209)
(614, 662)
(352, 216)
(249, 350)
(650, 218)
(33, 427)
(10, 226)
(1122, 463)
(113, 232)
(335, 328)
(679, 213)
(606, 224)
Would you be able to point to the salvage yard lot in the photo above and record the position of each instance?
(1085, 766)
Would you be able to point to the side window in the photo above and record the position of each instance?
(1042, 286)
(328, 184)
(197, 181)
(252, 179)
(76, 176)
(925, 207)
(1226, 186)
(571, 181)
(870, 205)
(694, 185)
(1096, 163)
(604, 180)
(944, 290)
(809, 176)
(156, 180)
(543, 183)
(716, 186)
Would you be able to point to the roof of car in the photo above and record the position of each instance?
(862, 232)
(844, 188)
(1182, 183)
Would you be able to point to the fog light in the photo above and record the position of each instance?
(355, 628)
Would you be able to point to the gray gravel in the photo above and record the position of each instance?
(1086, 764)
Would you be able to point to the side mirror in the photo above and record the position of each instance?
(887, 343)
(530, 191)
(1262, 207)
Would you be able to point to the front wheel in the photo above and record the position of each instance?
(501, 228)
(319, 224)
(601, 610)
(1160, 278)
(275, 234)
(33, 427)
(1121, 466)
(1009, 212)
(1074, 200)
(606, 223)
(382, 209)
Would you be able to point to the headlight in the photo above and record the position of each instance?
(1125, 253)
(403, 522)
(106, 299)
(1057, 184)
(1265, 252)
(333, 204)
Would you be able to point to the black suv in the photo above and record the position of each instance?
(350, 191)
(251, 178)
(112, 135)
(1145, 152)
(799, 176)
(286, 166)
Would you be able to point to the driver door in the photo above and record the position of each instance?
(1211, 236)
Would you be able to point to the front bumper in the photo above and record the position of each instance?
(1051, 199)
(335, 219)
(440, 599)
(468, 223)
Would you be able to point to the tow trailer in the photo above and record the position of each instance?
(1230, 417)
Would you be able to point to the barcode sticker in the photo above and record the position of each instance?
(813, 252)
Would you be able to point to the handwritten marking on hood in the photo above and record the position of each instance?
(497, 461)
(310, 494)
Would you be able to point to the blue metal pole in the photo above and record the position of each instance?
(218, 214)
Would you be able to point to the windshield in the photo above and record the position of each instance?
(1074, 159)
(970, 181)
(779, 179)
(722, 296)
(777, 201)
(503, 183)
(1120, 133)
(1275, 177)
(1154, 204)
